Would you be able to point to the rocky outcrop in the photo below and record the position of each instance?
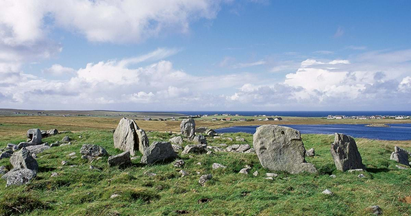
(35, 136)
(24, 160)
(129, 137)
(120, 159)
(281, 149)
(93, 150)
(158, 152)
(400, 155)
(345, 153)
(188, 127)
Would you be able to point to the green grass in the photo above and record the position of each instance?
(81, 191)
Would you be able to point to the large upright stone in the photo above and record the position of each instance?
(35, 136)
(281, 149)
(188, 128)
(345, 153)
(158, 152)
(400, 155)
(129, 137)
(23, 160)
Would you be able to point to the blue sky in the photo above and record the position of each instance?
(205, 55)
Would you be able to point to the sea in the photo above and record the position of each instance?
(394, 132)
(299, 113)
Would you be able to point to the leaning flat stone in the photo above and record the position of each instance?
(120, 159)
(158, 152)
(281, 149)
(245, 170)
(345, 153)
(36, 149)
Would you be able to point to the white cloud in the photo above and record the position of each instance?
(58, 70)
(250, 64)
(340, 32)
(356, 47)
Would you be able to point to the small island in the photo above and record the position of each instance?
(377, 125)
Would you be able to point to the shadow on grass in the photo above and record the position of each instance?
(377, 170)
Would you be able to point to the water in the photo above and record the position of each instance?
(394, 132)
(300, 113)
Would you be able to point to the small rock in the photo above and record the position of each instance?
(218, 166)
(71, 154)
(54, 174)
(333, 176)
(179, 163)
(310, 152)
(199, 163)
(64, 163)
(327, 192)
(93, 150)
(255, 173)
(204, 178)
(240, 139)
(269, 178)
(94, 168)
(361, 176)
(114, 196)
(176, 140)
(271, 174)
(196, 149)
(135, 158)
(150, 174)
(183, 173)
(177, 148)
(198, 173)
(245, 170)
(376, 210)
(355, 170)
(65, 139)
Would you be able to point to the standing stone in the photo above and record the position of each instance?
(35, 136)
(400, 155)
(158, 152)
(120, 159)
(345, 153)
(129, 137)
(281, 149)
(188, 127)
(93, 150)
(23, 160)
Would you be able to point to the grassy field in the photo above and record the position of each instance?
(80, 191)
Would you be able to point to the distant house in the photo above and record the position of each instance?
(339, 117)
(330, 117)
(269, 119)
(228, 119)
(260, 119)
(237, 115)
(278, 119)
(399, 117)
(362, 118)
(373, 117)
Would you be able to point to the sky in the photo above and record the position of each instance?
(205, 55)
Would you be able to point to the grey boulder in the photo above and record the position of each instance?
(93, 150)
(204, 178)
(400, 155)
(129, 137)
(345, 153)
(65, 139)
(36, 149)
(188, 127)
(200, 139)
(120, 159)
(24, 160)
(281, 149)
(176, 140)
(19, 176)
(158, 152)
(35, 136)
